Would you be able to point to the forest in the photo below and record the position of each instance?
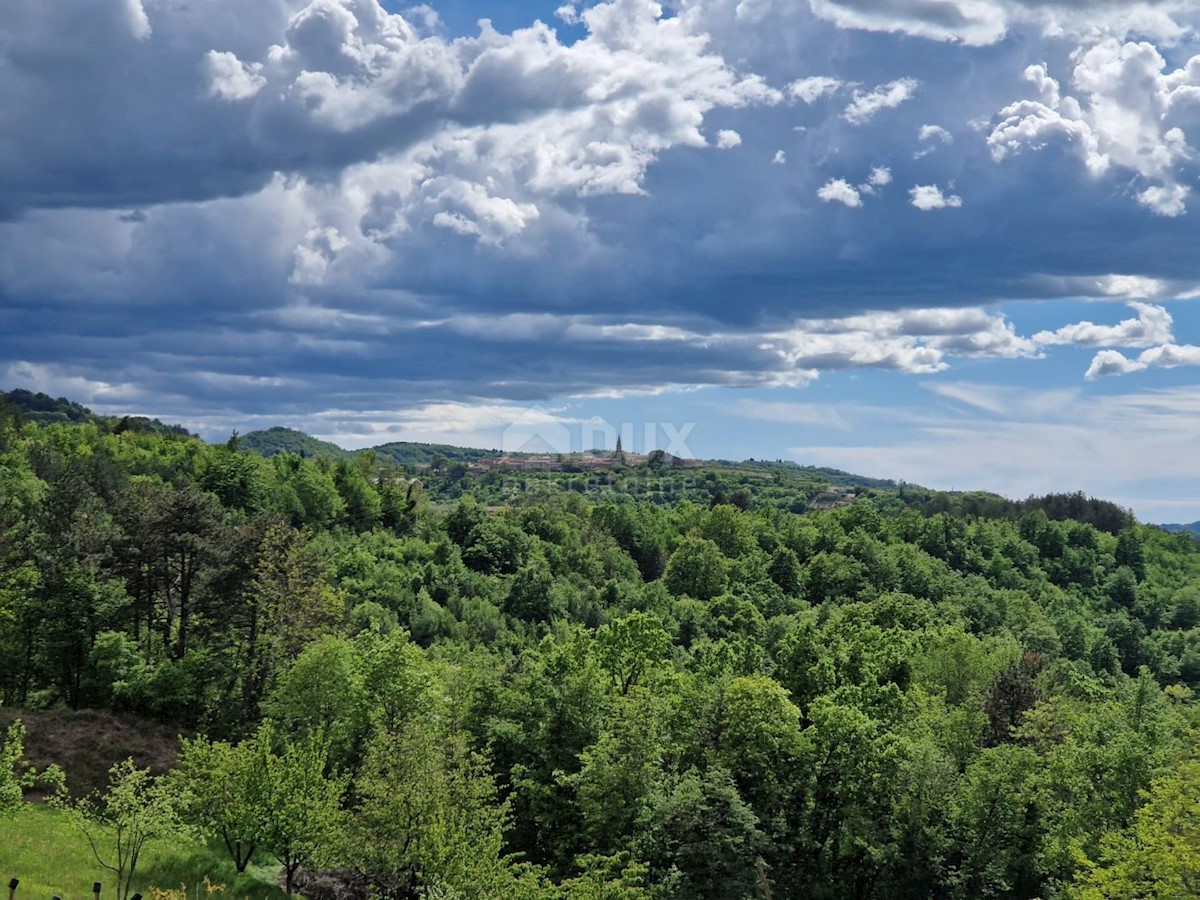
(421, 685)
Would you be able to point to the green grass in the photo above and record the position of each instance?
(47, 852)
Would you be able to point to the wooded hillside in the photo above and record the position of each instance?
(584, 693)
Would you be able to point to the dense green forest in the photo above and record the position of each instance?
(546, 686)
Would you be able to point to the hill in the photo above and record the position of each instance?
(681, 673)
(410, 453)
(404, 453)
(42, 409)
(288, 440)
(1192, 527)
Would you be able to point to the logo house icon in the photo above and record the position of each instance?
(537, 431)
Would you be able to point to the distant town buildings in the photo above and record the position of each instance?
(569, 462)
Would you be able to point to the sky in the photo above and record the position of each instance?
(952, 242)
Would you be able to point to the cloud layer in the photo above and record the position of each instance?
(323, 206)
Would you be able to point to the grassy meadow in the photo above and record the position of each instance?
(43, 848)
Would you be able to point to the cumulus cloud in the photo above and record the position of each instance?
(231, 79)
(139, 22)
(1151, 326)
(340, 82)
(914, 342)
(1116, 286)
(1130, 111)
(866, 104)
(880, 176)
(1166, 356)
(927, 197)
(1166, 200)
(1130, 286)
(340, 206)
(727, 139)
(935, 132)
(838, 190)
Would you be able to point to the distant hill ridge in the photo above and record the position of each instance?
(808, 483)
(288, 440)
(1193, 527)
(42, 409)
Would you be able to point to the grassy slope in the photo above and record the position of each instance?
(46, 851)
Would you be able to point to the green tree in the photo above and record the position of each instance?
(702, 839)
(363, 506)
(136, 810)
(322, 691)
(303, 815)
(619, 771)
(429, 815)
(292, 601)
(730, 530)
(531, 595)
(759, 738)
(627, 648)
(995, 824)
(222, 790)
(13, 777)
(1158, 856)
(697, 569)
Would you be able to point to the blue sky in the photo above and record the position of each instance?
(949, 242)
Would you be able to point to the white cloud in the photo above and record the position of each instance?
(974, 22)
(916, 341)
(727, 139)
(880, 176)
(931, 136)
(1131, 112)
(1111, 362)
(983, 22)
(813, 88)
(840, 191)
(1151, 326)
(139, 22)
(866, 104)
(927, 197)
(780, 158)
(1166, 200)
(1166, 356)
(931, 132)
(1113, 286)
(980, 396)
(1131, 286)
(470, 210)
(1007, 400)
(231, 79)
